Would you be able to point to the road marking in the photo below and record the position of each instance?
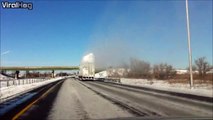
(32, 103)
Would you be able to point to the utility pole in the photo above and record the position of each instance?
(189, 46)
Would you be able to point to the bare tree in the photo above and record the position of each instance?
(110, 71)
(194, 68)
(202, 65)
(139, 68)
(163, 71)
(156, 71)
(126, 68)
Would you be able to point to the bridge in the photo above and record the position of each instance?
(29, 68)
(21, 68)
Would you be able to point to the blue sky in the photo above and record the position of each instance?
(60, 33)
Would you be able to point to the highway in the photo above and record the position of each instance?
(147, 103)
(73, 99)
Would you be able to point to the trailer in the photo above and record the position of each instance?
(87, 68)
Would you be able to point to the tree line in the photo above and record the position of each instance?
(137, 68)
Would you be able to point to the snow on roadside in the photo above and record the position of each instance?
(7, 92)
(202, 90)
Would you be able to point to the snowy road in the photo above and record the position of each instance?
(71, 99)
(98, 100)
(148, 103)
(75, 101)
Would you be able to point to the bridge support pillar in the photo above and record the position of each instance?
(53, 72)
(27, 73)
(17, 74)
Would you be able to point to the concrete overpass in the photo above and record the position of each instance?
(32, 68)
(21, 68)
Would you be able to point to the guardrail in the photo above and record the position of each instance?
(115, 80)
(12, 82)
(6, 84)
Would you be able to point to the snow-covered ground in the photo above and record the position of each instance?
(15, 90)
(102, 74)
(3, 77)
(201, 89)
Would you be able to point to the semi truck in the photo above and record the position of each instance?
(87, 67)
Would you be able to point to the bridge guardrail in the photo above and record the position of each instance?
(16, 82)
(12, 82)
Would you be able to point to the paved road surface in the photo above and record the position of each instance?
(151, 103)
(75, 101)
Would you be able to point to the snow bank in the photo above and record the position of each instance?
(102, 74)
(15, 90)
(111, 72)
(201, 90)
